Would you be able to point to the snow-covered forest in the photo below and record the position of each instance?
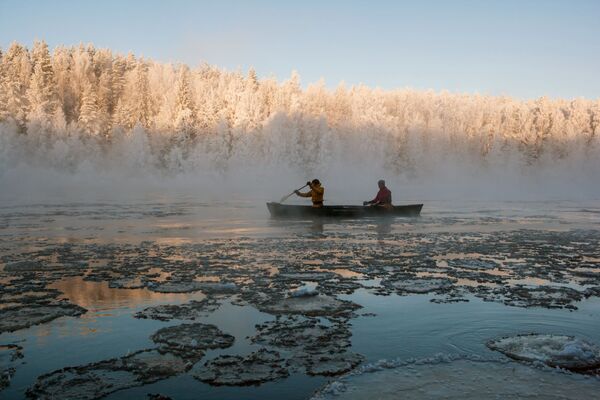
(80, 105)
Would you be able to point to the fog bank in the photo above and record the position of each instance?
(84, 123)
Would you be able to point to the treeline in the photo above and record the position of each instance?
(83, 101)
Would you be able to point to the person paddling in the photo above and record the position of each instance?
(316, 193)
(383, 198)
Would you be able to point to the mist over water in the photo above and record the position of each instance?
(86, 123)
(348, 166)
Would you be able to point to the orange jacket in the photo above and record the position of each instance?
(316, 194)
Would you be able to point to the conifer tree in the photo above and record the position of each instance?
(61, 64)
(17, 72)
(82, 73)
(105, 100)
(232, 114)
(140, 105)
(3, 99)
(89, 120)
(118, 70)
(185, 110)
(42, 92)
(122, 115)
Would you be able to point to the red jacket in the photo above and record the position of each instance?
(384, 196)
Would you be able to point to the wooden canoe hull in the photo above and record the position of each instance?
(278, 210)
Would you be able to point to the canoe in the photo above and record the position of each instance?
(279, 210)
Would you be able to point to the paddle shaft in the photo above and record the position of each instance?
(284, 198)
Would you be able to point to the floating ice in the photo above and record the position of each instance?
(176, 287)
(458, 379)
(9, 354)
(305, 291)
(188, 311)
(24, 316)
(421, 285)
(258, 367)
(330, 364)
(318, 349)
(472, 263)
(318, 305)
(314, 276)
(188, 340)
(218, 287)
(158, 396)
(126, 283)
(554, 350)
(28, 266)
(193, 286)
(96, 380)
(304, 333)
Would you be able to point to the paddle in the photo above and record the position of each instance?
(284, 198)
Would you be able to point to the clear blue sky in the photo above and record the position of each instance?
(525, 48)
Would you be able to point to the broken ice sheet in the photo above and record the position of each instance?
(260, 366)
(188, 311)
(554, 350)
(471, 379)
(9, 355)
(318, 305)
(315, 347)
(24, 316)
(96, 380)
(191, 340)
(420, 285)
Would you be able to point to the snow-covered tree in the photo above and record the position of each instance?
(42, 92)
(82, 73)
(140, 105)
(89, 115)
(17, 72)
(105, 100)
(185, 110)
(3, 97)
(209, 116)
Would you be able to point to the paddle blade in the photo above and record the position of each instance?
(284, 198)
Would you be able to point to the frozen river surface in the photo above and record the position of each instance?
(218, 301)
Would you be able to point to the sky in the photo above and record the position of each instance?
(525, 49)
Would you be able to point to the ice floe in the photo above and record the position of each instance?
(9, 354)
(314, 347)
(420, 285)
(554, 350)
(188, 311)
(304, 291)
(186, 340)
(96, 380)
(24, 316)
(258, 367)
(317, 305)
(175, 287)
(446, 377)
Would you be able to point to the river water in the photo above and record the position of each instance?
(377, 264)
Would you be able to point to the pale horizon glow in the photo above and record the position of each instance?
(523, 49)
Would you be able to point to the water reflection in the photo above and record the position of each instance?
(309, 227)
(383, 227)
(317, 227)
(98, 296)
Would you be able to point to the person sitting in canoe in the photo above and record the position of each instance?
(383, 198)
(316, 193)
